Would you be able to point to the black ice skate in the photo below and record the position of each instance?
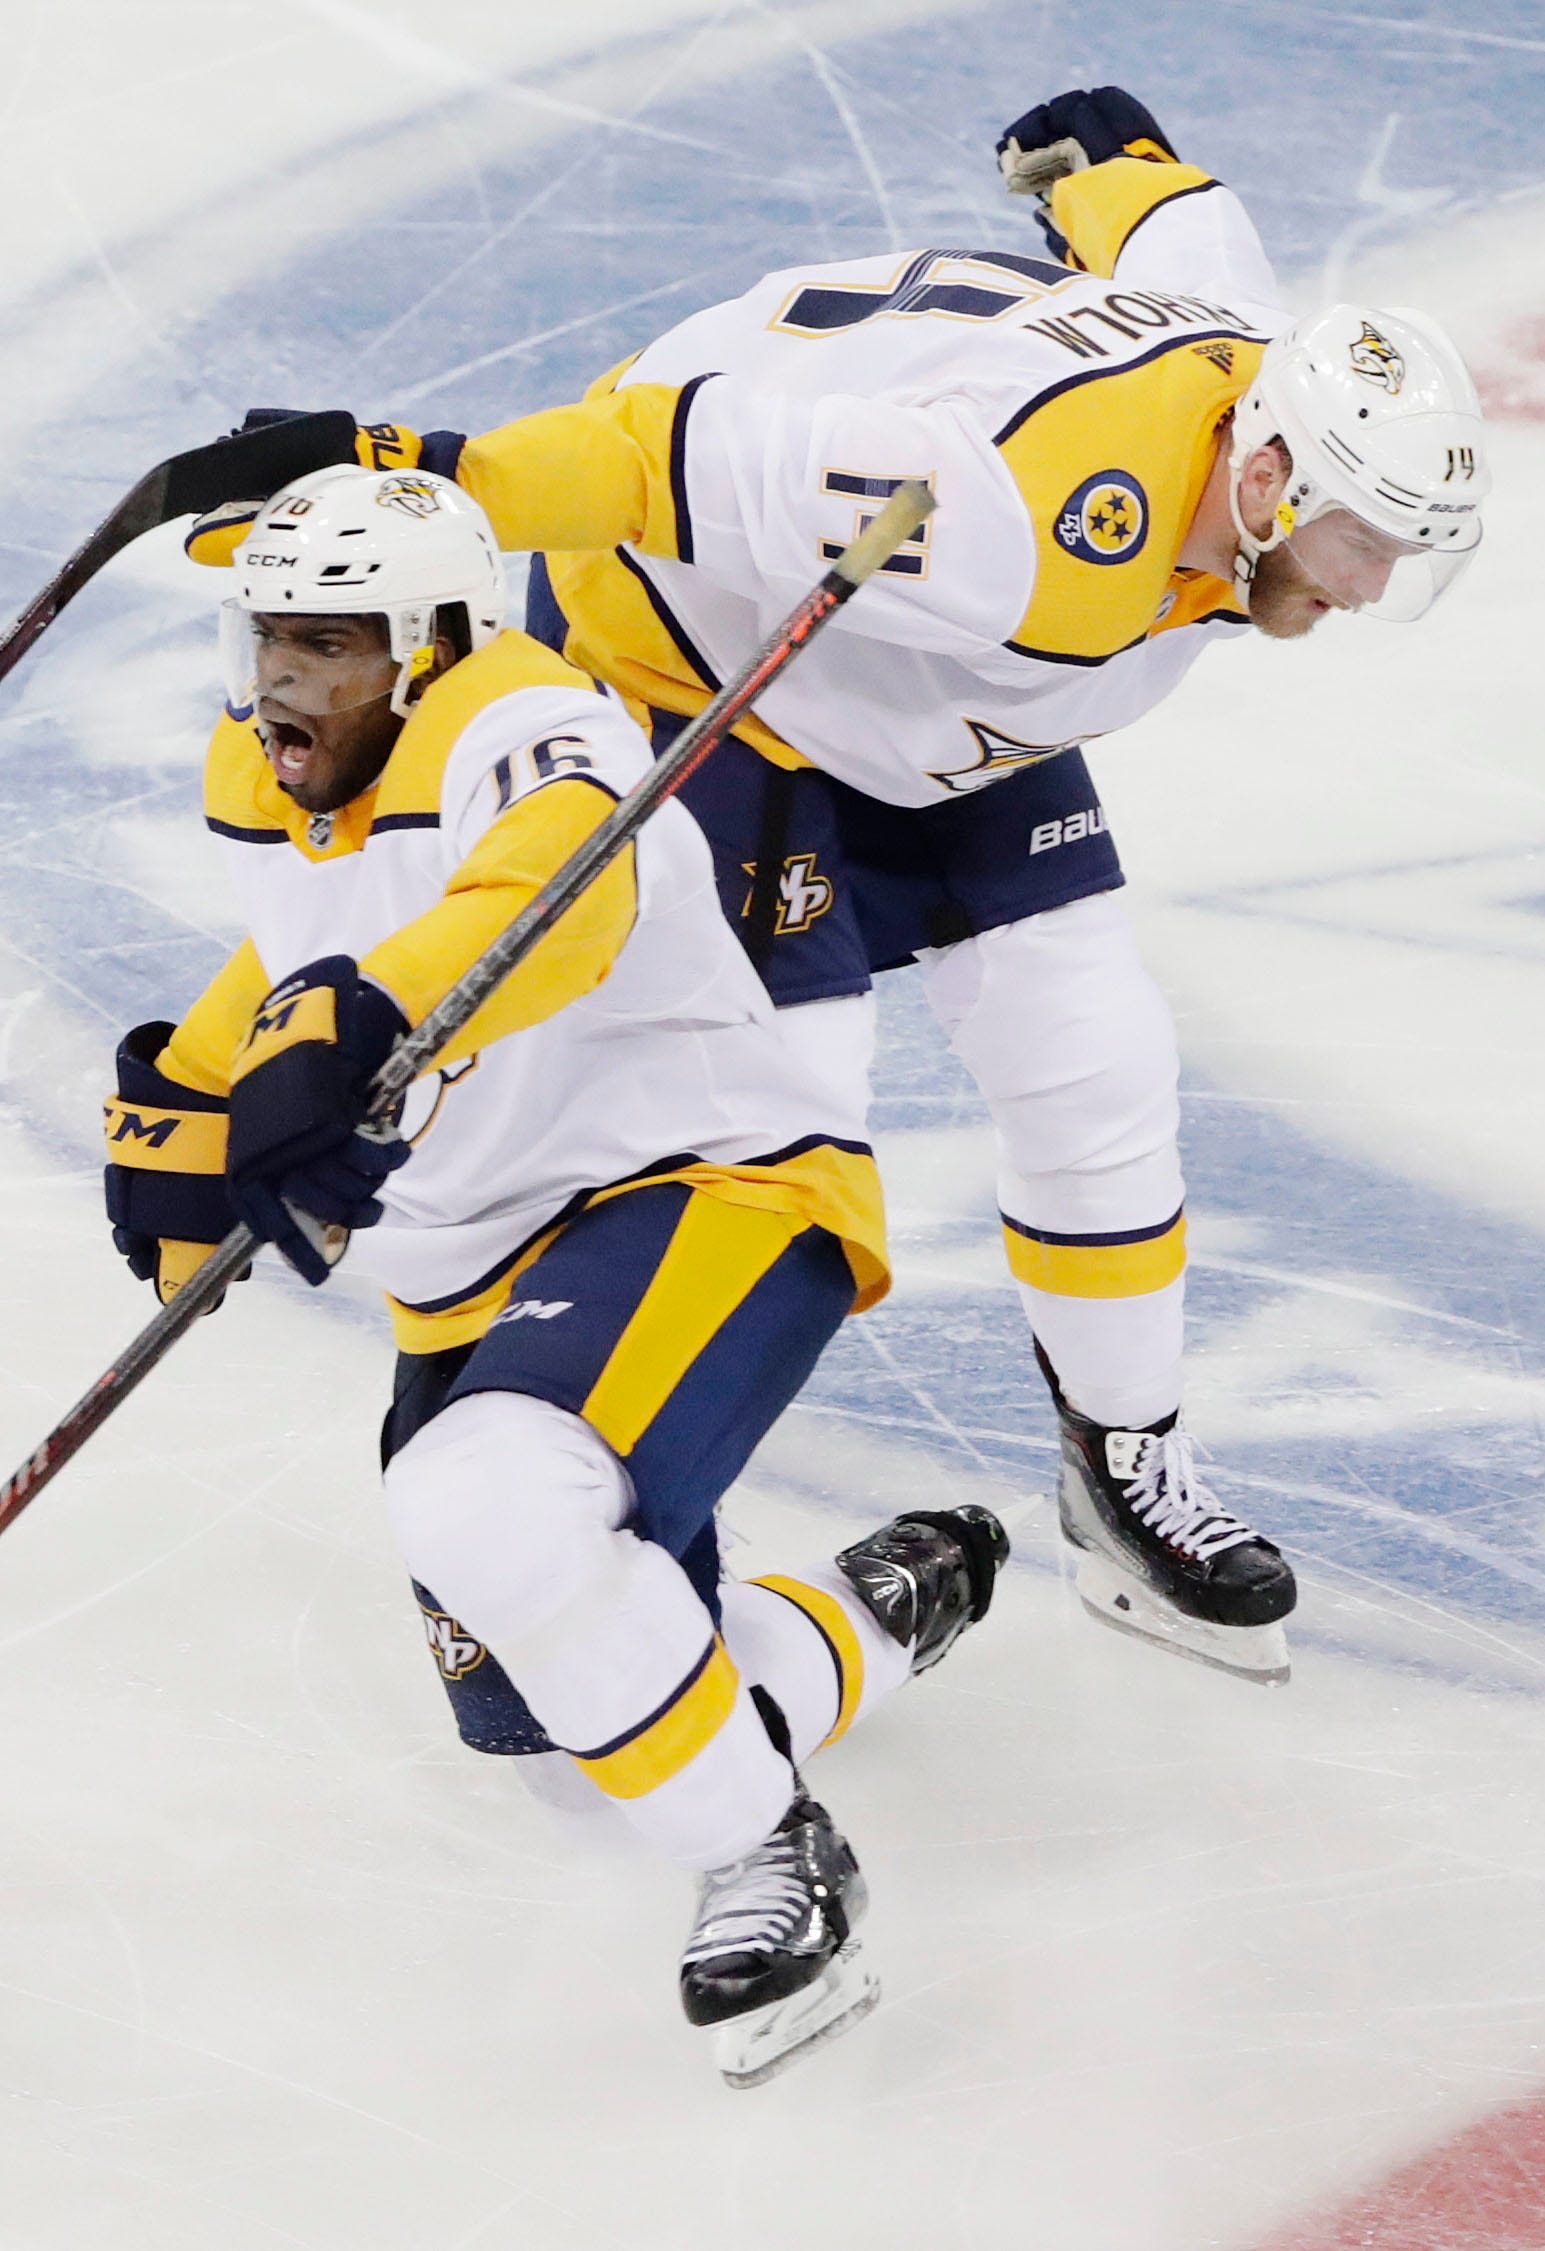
(770, 1958)
(1162, 1558)
(928, 1575)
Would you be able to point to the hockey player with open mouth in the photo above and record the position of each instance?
(1134, 455)
(616, 1222)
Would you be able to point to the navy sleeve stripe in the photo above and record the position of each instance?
(1057, 656)
(387, 821)
(1121, 367)
(1201, 187)
(245, 835)
(684, 541)
(672, 624)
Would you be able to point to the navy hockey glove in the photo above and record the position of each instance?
(165, 1177)
(1104, 121)
(300, 1088)
(215, 536)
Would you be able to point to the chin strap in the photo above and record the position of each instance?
(1251, 549)
(413, 645)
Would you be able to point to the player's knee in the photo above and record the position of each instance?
(1066, 1034)
(1106, 1098)
(508, 1507)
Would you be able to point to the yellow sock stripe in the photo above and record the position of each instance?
(715, 1258)
(831, 1621)
(672, 1736)
(1129, 1265)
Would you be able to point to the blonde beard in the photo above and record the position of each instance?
(1282, 597)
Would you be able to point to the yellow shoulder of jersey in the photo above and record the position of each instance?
(241, 797)
(1111, 463)
(1099, 209)
(409, 789)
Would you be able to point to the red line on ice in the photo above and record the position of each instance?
(1482, 2191)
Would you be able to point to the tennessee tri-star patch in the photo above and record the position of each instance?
(1105, 520)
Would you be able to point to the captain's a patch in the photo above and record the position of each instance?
(1105, 520)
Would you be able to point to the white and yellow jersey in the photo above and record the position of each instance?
(1066, 420)
(635, 1041)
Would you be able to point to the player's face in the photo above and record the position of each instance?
(1350, 559)
(1334, 562)
(324, 687)
(1285, 601)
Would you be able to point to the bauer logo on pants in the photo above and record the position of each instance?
(1105, 520)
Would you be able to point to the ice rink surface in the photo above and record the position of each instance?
(1169, 1962)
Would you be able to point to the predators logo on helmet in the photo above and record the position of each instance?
(1377, 361)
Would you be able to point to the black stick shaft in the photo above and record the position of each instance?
(896, 522)
(252, 465)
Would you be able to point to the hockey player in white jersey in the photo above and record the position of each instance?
(1133, 455)
(616, 1227)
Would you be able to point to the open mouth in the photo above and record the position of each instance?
(289, 747)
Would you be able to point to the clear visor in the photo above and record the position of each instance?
(1367, 570)
(309, 682)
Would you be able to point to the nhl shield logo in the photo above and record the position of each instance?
(1376, 360)
(1105, 520)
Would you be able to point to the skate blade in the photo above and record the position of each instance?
(1116, 1598)
(752, 2049)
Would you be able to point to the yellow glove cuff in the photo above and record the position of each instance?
(216, 535)
(148, 1140)
(387, 445)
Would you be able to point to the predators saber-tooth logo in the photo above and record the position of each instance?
(804, 894)
(1376, 360)
(996, 754)
(1105, 520)
(453, 1648)
(410, 496)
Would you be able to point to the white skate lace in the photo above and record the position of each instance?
(751, 1906)
(1168, 1495)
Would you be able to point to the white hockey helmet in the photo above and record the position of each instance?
(1381, 419)
(392, 543)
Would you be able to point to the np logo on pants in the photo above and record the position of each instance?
(453, 1648)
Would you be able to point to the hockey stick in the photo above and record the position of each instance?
(897, 521)
(248, 466)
